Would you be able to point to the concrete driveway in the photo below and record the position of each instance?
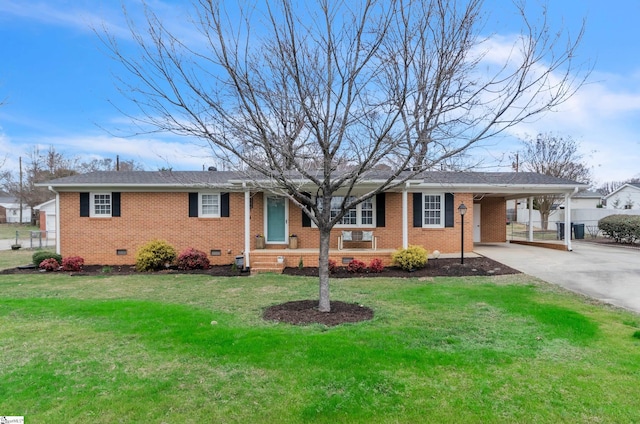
(610, 274)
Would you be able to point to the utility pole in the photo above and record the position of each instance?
(21, 194)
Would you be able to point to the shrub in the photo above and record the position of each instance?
(333, 265)
(49, 265)
(621, 228)
(41, 255)
(356, 266)
(413, 257)
(72, 263)
(156, 254)
(193, 259)
(376, 265)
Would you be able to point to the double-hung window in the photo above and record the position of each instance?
(433, 210)
(358, 216)
(100, 205)
(209, 205)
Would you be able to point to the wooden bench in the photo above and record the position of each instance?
(357, 236)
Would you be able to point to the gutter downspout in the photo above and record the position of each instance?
(57, 219)
(567, 218)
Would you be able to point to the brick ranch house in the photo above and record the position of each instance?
(105, 217)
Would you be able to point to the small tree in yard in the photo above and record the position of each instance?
(310, 98)
(555, 156)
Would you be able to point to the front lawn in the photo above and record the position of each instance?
(194, 348)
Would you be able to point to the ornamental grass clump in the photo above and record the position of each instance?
(155, 255)
(193, 259)
(413, 257)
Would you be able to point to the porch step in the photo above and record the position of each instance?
(260, 267)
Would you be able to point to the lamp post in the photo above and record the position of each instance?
(462, 209)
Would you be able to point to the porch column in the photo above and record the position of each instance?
(530, 234)
(247, 225)
(567, 221)
(405, 218)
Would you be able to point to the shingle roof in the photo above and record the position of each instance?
(200, 178)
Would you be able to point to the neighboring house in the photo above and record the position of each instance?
(106, 216)
(625, 197)
(10, 210)
(48, 222)
(585, 199)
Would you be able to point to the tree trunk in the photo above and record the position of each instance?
(323, 271)
(544, 217)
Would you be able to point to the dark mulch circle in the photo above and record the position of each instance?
(306, 312)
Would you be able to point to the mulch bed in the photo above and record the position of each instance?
(93, 270)
(449, 267)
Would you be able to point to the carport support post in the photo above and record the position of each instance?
(530, 234)
(567, 221)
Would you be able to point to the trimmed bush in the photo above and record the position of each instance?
(193, 259)
(621, 228)
(41, 255)
(72, 263)
(155, 255)
(356, 266)
(49, 265)
(332, 266)
(413, 257)
(376, 265)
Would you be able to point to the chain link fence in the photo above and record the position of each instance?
(29, 239)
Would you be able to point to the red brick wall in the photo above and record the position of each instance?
(144, 217)
(446, 240)
(148, 216)
(493, 226)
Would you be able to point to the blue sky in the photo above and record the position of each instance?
(58, 85)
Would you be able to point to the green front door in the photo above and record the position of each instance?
(276, 220)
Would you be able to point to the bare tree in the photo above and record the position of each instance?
(320, 94)
(40, 167)
(557, 156)
(107, 164)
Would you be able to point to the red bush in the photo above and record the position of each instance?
(332, 266)
(72, 263)
(49, 265)
(356, 266)
(193, 259)
(376, 265)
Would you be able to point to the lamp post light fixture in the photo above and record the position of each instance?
(462, 209)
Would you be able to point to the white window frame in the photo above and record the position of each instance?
(442, 210)
(92, 204)
(201, 214)
(358, 208)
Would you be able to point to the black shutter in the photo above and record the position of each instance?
(224, 205)
(448, 209)
(417, 209)
(306, 221)
(115, 204)
(84, 204)
(380, 210)
(193, 205)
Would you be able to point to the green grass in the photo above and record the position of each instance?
(14, 258)
(8, 231)
(194, 349)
